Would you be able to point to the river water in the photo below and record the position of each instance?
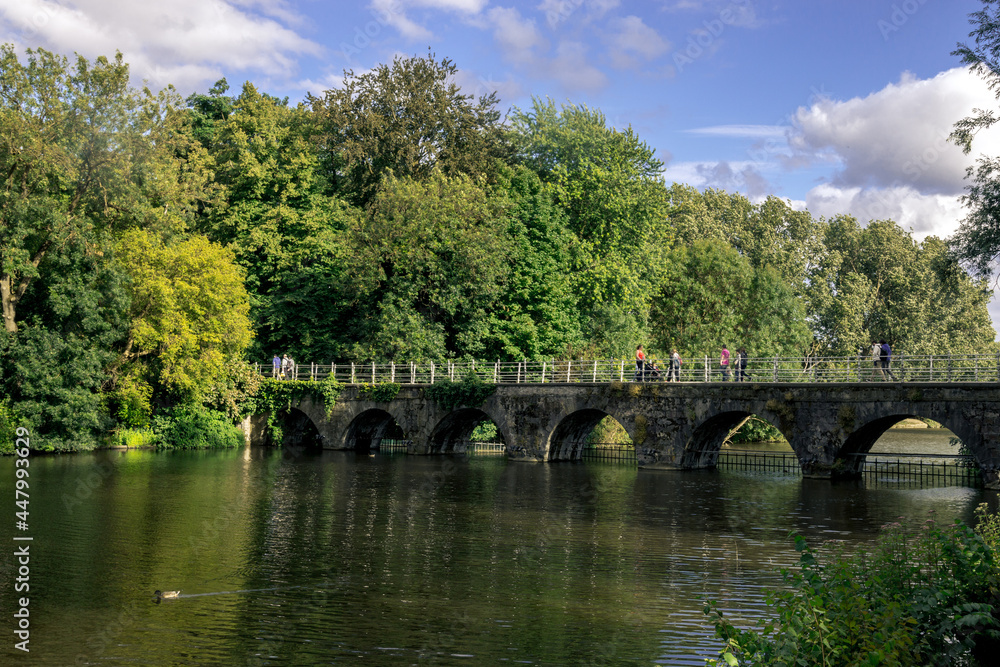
(340, 558)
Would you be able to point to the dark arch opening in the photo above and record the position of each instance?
(454, 433)
(369, 428)
(580, 430)
(702, 450)
(296, 429)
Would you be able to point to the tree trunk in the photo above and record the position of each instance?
(9, 304)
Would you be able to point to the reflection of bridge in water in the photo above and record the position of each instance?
(673, 426)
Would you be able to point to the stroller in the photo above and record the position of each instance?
(647, 371)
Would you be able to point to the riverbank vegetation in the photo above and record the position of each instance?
(153, 246)
(927, 595)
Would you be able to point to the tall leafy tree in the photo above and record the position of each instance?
(83, 157)
(80, 152)
(409, 118)
(429, 259)
(977, 241)
(188, 315)
(877, 282)
(536, 313)
(284, 228)
(608, 182)
(710, 296)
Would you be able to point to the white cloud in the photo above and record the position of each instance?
(571, 68)
(924, 214)
(517, 36)
(630, 38)
(897, 136)
(186, 43)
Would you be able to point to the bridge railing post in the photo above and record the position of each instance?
(373, 372)
(621, 372)
(496, 371)
(543, 372)
(353, 376)
(706, 368)
(776, 369)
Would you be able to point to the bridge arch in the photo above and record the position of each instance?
(569, 438)
(367, 429)
(703, 447)
(452, 434)
(863, 438)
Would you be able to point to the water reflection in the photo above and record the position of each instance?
(394, 559)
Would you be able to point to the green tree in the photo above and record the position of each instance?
(285, 230)
(188, 314)
(977, 241)
(408, 118)
(608, 182)
(430, 261)
(80, 151)
(877, 283)
(711, 296)
(536, 313)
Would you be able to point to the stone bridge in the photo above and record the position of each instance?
(673, 426)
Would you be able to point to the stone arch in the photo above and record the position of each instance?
(367, 429)
(702, 449)
(568, 439)
(451, 435)
(297, 429)
(863, 438)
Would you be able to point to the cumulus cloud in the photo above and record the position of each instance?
(186, 43)
(924, 214)
(897, 136)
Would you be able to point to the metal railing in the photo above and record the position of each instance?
(903, 368)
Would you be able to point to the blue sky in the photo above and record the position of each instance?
(837, 106)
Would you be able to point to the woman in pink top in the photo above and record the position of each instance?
(724, 364)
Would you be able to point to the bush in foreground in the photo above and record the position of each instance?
(919, 597)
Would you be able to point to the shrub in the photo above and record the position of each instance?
(193, 427)
(923, 597)
(134, 438)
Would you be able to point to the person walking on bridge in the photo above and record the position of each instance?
(885, 357)
(724, 364)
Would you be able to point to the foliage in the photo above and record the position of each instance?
(409, 119)
(711, 296)
(756, 430)
(380, 392)
(281, 225)
(485, 432)
(430, 261)
(877, 283)
(9, 421)
(188, 312)
(977, 241)
(195, 427)
(608, 182)
(919, 597)
(133, 438)
(470, 391)
(608, 431)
